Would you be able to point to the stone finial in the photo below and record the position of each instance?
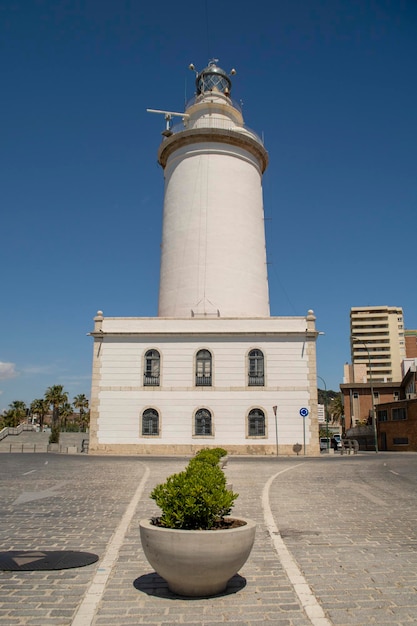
(98, 320)
(311, 321)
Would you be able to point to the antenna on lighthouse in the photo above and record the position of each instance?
(168, 118)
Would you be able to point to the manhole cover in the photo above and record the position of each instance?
(24, 560)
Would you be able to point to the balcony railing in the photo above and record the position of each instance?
(203, 381)
(151, 381)
(256, 381)
(216, 123)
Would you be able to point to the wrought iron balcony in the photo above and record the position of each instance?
(256, 381)
(203, 381)
(151, 381)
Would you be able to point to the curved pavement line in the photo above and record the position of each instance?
(307, 599)
(87, 609)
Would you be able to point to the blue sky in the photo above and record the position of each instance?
(329, 83)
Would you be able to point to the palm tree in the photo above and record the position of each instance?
(15, 414)
(336, 408)
(81, 403)
(40, 407)
(55, 396)
(65, 412)
(19, 409)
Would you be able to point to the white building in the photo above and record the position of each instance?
(214, 368)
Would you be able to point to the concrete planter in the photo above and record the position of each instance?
(223, 461)
(197, 562)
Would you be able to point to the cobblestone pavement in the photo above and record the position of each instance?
(346, 523)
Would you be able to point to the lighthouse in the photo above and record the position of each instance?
(213, 258)
(214, 368)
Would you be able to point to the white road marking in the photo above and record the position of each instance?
(307, 598)
(87, 609)
(30, 472)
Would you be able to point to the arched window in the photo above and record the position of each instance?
(152, 368)
(150, 422)
(203, 423)
(256, 368)
(203, 368)
(256, 423)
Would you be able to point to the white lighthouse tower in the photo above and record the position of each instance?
(213, 257)
(214, 368)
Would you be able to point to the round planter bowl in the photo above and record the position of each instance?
(197, 562)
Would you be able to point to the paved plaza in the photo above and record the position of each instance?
(336, 541)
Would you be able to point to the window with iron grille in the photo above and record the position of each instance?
(203, 363)
(399, 414)
(203, 422)
(150, 422)
(152, 368)
(256, 368)
(382, 416)
(256, 423)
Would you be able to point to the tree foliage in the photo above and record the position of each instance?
(81, 403)
(40, 408)
(56, 397)
(15, 414)
(327, 396)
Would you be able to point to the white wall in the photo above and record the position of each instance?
(122, 396)
(213, 253)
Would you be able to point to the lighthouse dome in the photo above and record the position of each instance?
(213, 78)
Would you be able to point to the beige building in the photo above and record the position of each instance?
(377, 344)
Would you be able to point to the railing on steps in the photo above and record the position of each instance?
(26, 447)
(38, 447)
(15, 430)
(68, 448)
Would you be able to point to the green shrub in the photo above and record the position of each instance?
(209, 455)
(206, 456)
(219, 451)
(54, 436)
(194, 499)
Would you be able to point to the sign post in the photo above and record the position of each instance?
(304, 413)
(274, 408)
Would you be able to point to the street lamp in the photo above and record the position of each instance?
(358, 340)
(325, 412)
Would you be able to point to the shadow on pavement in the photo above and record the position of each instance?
(155, 585)
(32, 560)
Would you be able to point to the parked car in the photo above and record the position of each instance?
(334, 443)
(323, 443)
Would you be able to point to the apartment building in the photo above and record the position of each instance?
(359, 400)
(377, 343)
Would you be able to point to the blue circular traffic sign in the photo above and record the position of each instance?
(303, 412)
